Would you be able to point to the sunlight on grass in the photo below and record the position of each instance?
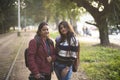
(100, 63)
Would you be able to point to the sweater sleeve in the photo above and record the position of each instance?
(53, 53)
(31, 57)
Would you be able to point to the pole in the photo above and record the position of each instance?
(18, 34)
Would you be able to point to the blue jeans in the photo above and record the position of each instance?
(58, 69)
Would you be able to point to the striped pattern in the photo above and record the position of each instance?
(64, 49)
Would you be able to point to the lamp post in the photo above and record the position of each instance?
(23, 7)
(18, 34)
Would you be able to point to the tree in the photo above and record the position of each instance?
(35, 11)
(52, 11)
(100, 10)
(114, 18)
(69, 12)
(8, 15)
(72, 12)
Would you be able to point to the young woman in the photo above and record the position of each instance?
(67, 51)
(41, 54)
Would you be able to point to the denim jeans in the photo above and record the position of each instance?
(58, 68)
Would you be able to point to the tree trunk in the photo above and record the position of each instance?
(56, 22)
(75, 26)
(103, 30)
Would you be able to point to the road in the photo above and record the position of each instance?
(6, 52)
(115, 39)
(95, 38)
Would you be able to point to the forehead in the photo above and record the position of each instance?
(45, 27)
(62, 25)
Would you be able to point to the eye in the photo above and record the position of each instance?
(62, 27)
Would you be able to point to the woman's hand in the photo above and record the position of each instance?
(64, 71)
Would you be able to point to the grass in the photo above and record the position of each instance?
(54, 34)
(100, 63)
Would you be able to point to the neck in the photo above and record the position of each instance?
(44, 38)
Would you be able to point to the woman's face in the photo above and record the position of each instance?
(63, 30)
(44, 31)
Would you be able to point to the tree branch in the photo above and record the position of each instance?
(91, 23)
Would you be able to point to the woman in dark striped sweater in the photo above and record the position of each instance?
(67, 51)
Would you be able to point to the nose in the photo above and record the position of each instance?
(47, 31)
(62, 28)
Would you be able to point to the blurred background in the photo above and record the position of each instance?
(95, 21)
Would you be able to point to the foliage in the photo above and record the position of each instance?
(54, 34)
(8, 15)
(34, 10)
(102, 12)
(100, 63)
(114, 17)
(51, 10)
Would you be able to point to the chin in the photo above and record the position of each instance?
(64, 33)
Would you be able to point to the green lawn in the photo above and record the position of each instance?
(100, 63)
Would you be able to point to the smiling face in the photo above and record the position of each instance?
(63, 29)
(44, 32)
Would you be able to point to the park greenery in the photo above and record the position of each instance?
(100, 63)
(104, 12)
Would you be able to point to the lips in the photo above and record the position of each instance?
(64, 31)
